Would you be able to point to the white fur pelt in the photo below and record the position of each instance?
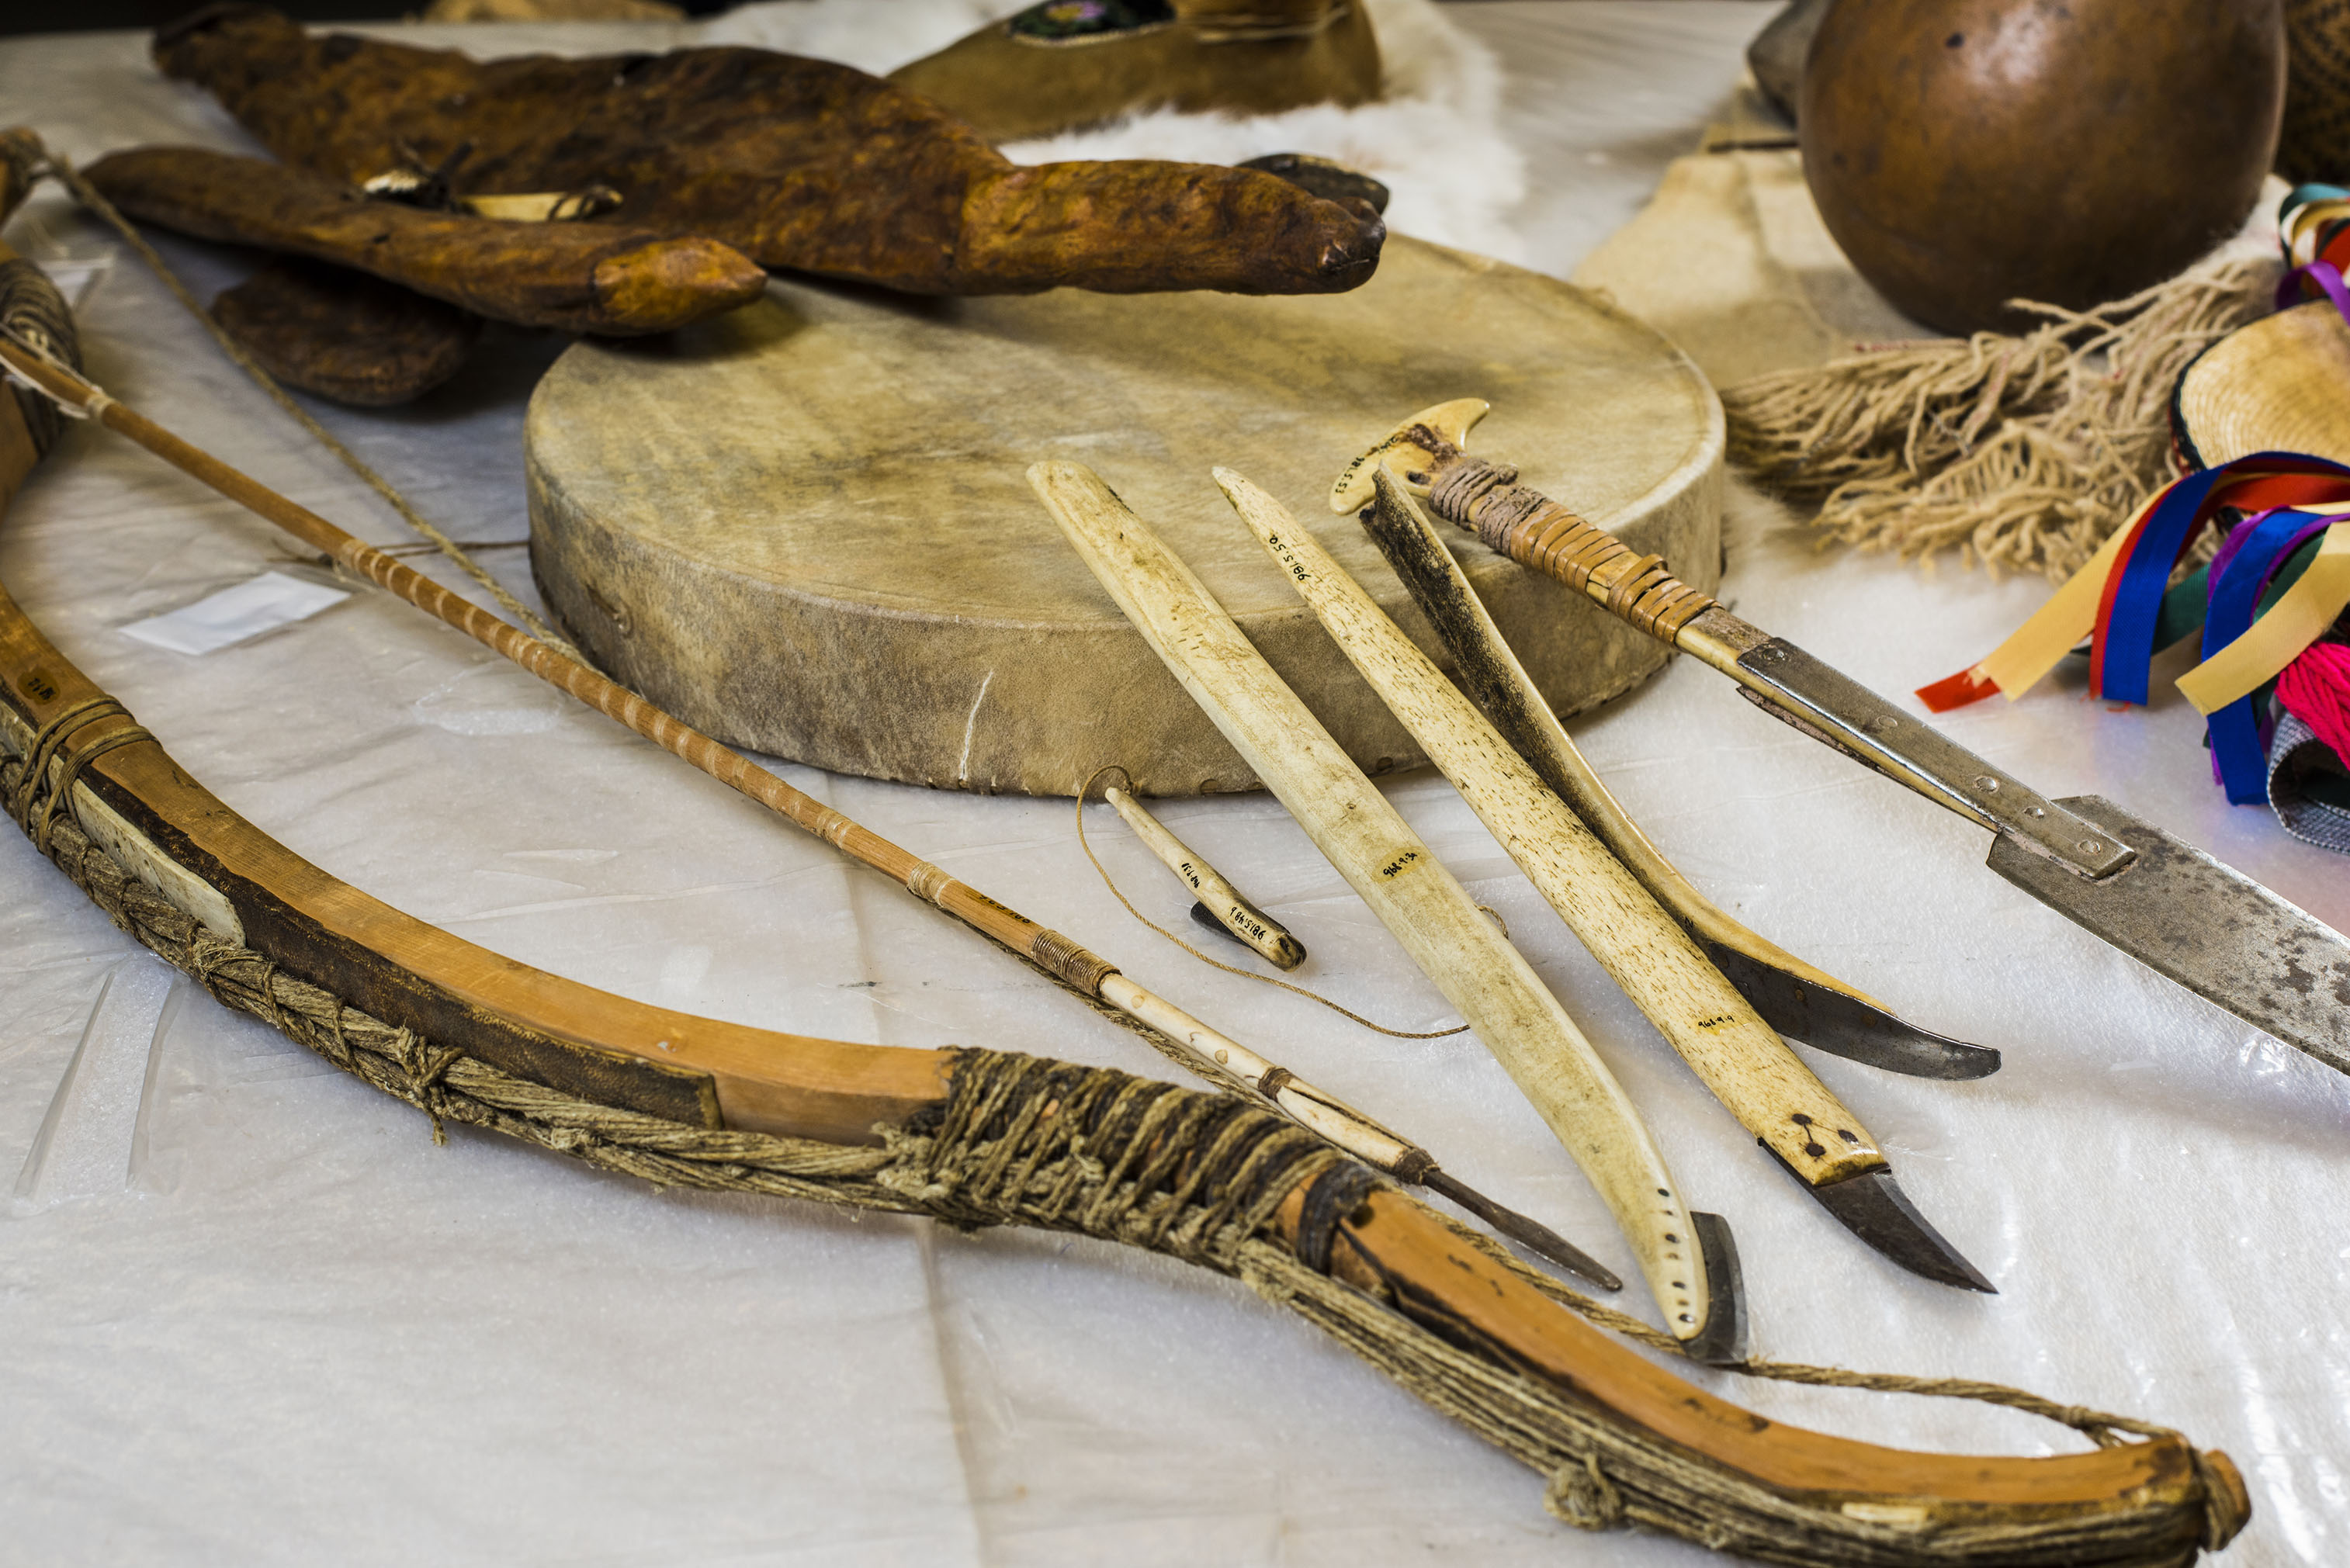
(1434, 138)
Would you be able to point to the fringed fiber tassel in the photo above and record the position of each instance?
(2023, 453)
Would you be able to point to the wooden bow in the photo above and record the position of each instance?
(1625, 1439)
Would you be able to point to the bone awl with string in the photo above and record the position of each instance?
(2163, 901)
(1196, 1046)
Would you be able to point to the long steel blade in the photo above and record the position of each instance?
(1832, 707)
(2212, 929)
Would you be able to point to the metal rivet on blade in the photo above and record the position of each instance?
(2035, 811)
(1988, 784)
(2091, 845)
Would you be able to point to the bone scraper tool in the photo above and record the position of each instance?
(1687, 1258)
(2164, 902)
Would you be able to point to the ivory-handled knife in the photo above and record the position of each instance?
(1800, 1001)
(1643, 948)
(2164, 902)
(1688, 1259)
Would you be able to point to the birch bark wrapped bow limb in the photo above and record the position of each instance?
(1689, 1259)
(979, 1138)
(1698, 1012)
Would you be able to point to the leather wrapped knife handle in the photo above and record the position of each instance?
(1789, 684)
(1535, 531)
(573, 277)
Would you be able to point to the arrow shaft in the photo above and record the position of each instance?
(1213, 1055)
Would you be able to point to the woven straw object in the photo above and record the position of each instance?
(2316, 142)
(2281, 384)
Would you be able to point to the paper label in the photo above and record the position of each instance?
(235, 615)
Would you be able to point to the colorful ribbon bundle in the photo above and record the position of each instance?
(2314, 226)
(2269, 596)
(2277, 585)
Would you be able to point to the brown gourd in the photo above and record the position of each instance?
(1969, 152)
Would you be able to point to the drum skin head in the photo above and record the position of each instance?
(804, 527)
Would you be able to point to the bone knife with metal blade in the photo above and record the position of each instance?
(2164, 902)
(1644, 950)
(1800, 1001)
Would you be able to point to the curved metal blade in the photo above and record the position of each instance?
(1724, 1341)
(1878, 1212)
(1533, 1235)
(2212, 929)
(1845, 1025)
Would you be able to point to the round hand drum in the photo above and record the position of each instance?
(806, 528)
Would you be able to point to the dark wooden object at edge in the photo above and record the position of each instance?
(2315, 143)
(795, 163)
(344, 335)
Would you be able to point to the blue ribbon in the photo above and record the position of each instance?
(2302, 195)
(2128, 645)
(2249, 559)
(2126, 649)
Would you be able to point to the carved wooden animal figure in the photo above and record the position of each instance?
(795, 163)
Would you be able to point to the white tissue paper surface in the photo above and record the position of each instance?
(252, 1316)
